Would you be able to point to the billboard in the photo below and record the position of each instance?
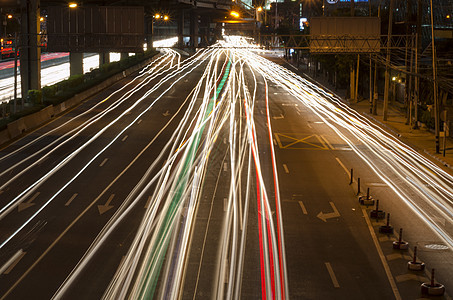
(345, 34)
(95, 29)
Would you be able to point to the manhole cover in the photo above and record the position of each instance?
(436, 247)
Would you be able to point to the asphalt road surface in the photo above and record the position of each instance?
(221, 175)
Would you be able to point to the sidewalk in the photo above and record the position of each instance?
(422, 140)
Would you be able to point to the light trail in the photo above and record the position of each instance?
(222, 104)
(429, 195)
(51, 74)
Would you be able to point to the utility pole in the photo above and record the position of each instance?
(387, 62)
(411, 94)
(436, 101)
(417, 48)
(376, 92)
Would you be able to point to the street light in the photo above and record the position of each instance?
(234, 14)
(72, 5)
(156, 16)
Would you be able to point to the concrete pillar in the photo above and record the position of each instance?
(30, 53)
(149, 31)
(104, 58)
(181, 28)
(194, 29)
(124, 55)
(75, 63)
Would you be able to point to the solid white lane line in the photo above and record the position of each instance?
(70, 200)
(103, 162)
(286, 168)
(302, 206)
(124, 138)
(396, 293)
(345, 169)
(332, 275)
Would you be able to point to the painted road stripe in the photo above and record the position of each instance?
(225, 167)
(275, 144)
(384, 239)
(225, 204)
(103, 162)
(70, 200)
(332, 275)
(394, 256)
(139, 121)
(346, 170)
(124, 138)
(382, 257)
(286, 168)
(407, 277)
(148, 202)
(302, 206)
(327, 142)
(12, 262)
(308, 123)
(377, 184)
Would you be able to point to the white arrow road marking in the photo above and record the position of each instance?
(25, 205)
(334, 214)
(103, 208)
(278, 117)
(166, 114)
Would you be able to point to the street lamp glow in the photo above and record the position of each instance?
(259, 9)
(41, 19)
(234, 14)
(72, 5)
(10, 16)
(166, 18)
(157, 16)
